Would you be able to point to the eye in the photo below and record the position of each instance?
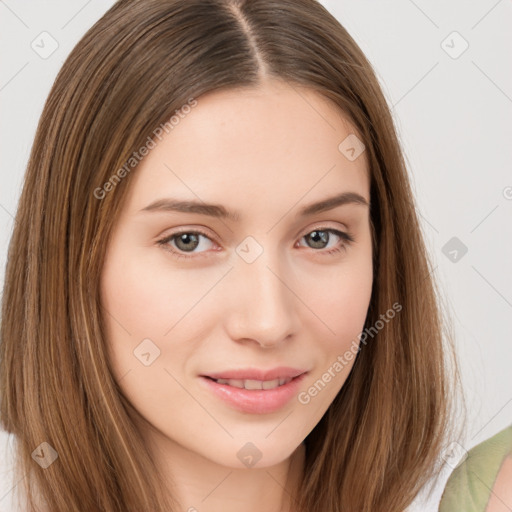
(187, 241)
(321, 236)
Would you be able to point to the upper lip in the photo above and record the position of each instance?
(282, 372)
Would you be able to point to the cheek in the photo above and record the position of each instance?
(142, 302)
(147, 297)
(144, 299)
(343, 307)
(342, 303)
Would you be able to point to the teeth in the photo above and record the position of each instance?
(233, 382)
(271, 384)
(254, 384)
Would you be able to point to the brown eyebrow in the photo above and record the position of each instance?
(219, 211)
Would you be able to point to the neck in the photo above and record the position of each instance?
(200, 484)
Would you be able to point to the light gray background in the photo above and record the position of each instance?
(454, 120)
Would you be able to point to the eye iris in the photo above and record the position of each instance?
(186, 238)
(315, 235)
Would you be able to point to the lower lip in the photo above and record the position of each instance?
(255, 401)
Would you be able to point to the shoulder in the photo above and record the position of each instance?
(501, 496)
(469, 486)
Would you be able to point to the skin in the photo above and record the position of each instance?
(501, 495)
(265, 152)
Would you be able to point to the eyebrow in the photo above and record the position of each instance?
(219, 211)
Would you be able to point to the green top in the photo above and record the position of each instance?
(469, 487)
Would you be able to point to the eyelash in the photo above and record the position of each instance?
(346, 237)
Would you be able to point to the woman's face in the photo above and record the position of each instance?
(258, 299)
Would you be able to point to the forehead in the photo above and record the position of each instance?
(275, 144)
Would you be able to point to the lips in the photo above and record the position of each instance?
(255, 374)
(255, 391)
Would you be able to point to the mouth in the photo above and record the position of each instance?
(259, 394)
(253, 384)
(252, 375)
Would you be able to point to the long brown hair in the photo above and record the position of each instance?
(380, 440)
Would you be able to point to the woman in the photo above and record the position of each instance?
(187, 340)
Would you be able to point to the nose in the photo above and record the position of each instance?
(263, 306)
